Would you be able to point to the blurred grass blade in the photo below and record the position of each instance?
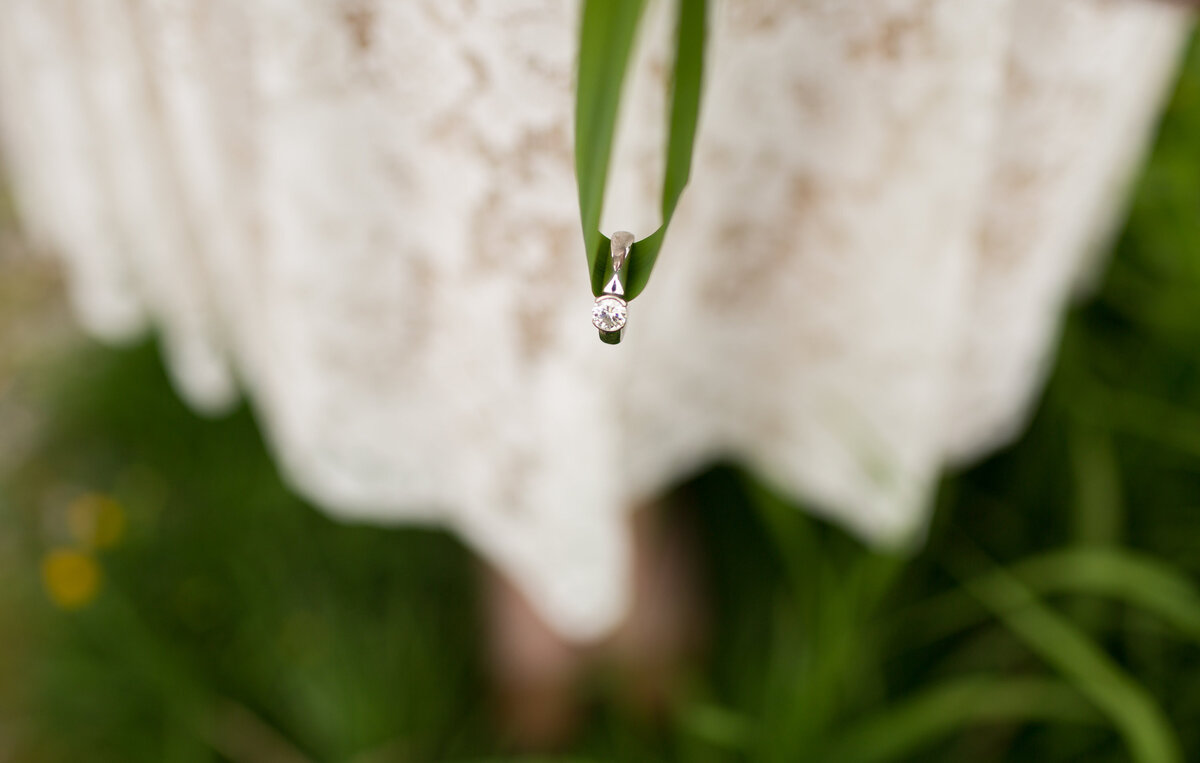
(1120, 574)
(530, 759)
(1097, 513)
(1148, 735)
(716, 725)
(789, 530)
(606, 43)
(240, 736)
(921, 720)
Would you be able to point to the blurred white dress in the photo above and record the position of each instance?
(362, 215)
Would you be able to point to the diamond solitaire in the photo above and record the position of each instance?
(609, 313)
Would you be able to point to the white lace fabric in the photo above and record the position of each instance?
(362, 214)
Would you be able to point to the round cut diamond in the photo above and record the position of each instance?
(609, 314)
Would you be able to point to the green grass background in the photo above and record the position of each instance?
(1052, 615)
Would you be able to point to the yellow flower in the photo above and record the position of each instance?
(71, 577)
(96, 520)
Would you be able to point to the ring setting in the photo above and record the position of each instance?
(611, 311)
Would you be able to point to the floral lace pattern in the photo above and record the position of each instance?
(363, 215)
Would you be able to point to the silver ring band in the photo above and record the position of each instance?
(611, 311)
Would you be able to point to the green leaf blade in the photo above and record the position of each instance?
(606, 43)
(1132, 710)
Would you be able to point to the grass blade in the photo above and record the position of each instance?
(932, 714)
(606, 42)
(605, 45)
(1147, 733)
(1120, 574)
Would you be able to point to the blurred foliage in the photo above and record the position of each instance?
(165, 598)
